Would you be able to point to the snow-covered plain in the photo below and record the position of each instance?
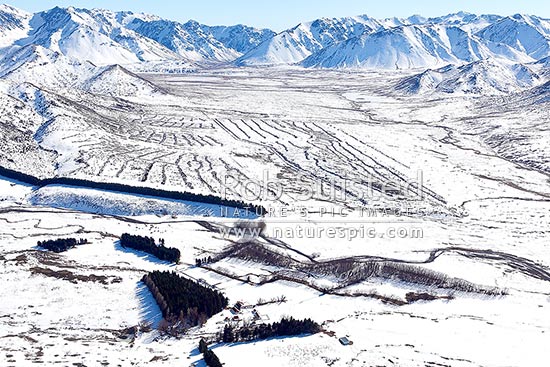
(484, 211)
(52, 320)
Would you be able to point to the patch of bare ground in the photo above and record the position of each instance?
(349, 271)
(52, 259)
(414, 297)
(74, 278)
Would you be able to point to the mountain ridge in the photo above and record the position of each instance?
(124, 37)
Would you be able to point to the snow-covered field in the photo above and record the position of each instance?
(483, 208)
(58, 321)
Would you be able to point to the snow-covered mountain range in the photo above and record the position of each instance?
(459, 52)
(415, 42)
(107, 37)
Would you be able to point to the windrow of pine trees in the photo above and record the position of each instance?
(147, 244)
(288, 326)
(140, 190)
(61, 244)
(183, 298)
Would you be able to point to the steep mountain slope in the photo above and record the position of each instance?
(414, 42)
(529, 35)
(479, 77)
(188, 40)
(240, 38)
(115, 80)
(94, 35)
(542, 67)
(19, 122)
(14, 24)
(44, 67)
(199, 42)
(466, 21)
(403, 47)
(56, 72)
(293, 45)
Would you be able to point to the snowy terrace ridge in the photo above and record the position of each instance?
(244, 208)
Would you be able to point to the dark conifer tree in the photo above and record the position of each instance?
(203, 347)
(211, 359)
(228, 336)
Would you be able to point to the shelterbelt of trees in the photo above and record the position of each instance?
(61, 244)
(288, 326)
(139, 190)
(184, 298)
(147, 244)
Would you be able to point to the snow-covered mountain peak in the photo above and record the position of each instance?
(240, 38)
(416, 19)
(401, 47)
(53, 71)
(190, 40)
(468, 22)
(58, 16)
(297, 43)
(486, 76)
(529, 35)
(8, 9)
(14, 24)
(115, 80)
(125, 17)
(94, 35)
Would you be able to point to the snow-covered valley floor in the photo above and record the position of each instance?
(484, 214)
